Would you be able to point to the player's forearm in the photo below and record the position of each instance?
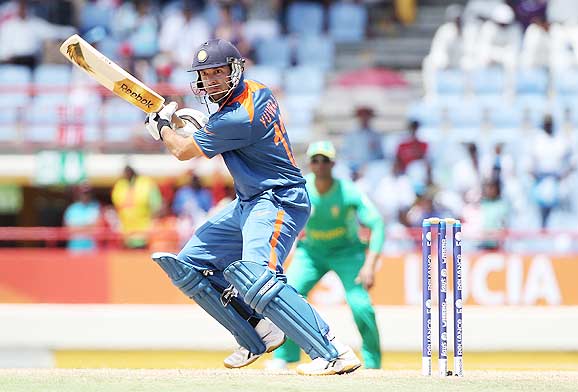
(377, 237)
(182, 148)
(371, 260)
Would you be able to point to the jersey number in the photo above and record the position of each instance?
(280, 133)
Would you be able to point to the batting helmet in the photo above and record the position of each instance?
(212, 54)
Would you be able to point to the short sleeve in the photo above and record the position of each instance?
(224, 132)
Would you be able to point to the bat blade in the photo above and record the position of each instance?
(110, 75)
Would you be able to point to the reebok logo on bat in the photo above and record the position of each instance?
(136, 96)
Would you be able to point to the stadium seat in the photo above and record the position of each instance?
(41, 124)
(299, 109)
(465, 116)
(429, 114)
(120, 118)
(566, 82)
(298, 112)
(506, 116)
(52, 82)
(181, 80)
(565, 111)
(489, 81)
(52, 75)
(272, 77)
(275, 52)
(533, 108)
(347, 22)
(450, 82)
(259, 29)
(305, 18)
(95, 14)
(14, 83)
(316, 52)
(304, 80)
(86, 120)
(9, 124)
(532, 82)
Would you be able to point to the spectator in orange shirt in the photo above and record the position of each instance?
(165, 237)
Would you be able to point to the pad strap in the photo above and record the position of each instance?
(281, 303)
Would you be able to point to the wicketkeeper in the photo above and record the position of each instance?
(331, 243)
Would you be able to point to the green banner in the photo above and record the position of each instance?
(10, 198)
(60, 167)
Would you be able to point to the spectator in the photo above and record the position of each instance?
(551, 163)
(136, 199)
(528, 11)
(453, 46)
(138, 26)
(466, 175)
(83, 213)
(193, 200)
(563, 47)
(500, 40)
(182, 32)
(232, 30)
(31, 32)
(423, 207)
(494, 212)
(498, 165)
(166, 236)
(392, 204)
(412, 149)
(363, 144)
(536, 45)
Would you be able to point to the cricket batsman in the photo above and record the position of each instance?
(331, 243)
(233, 265)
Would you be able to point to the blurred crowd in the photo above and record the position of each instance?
(525, 186)
(141, 213)
(515, 35)
(152, 38)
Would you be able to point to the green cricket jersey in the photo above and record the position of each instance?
(335, 216)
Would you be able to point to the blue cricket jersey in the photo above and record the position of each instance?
(249, 133)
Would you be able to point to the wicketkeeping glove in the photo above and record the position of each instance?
(156, 121)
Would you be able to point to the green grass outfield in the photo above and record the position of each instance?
(167, 371)
(255, 380)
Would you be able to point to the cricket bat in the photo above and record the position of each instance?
(110, 75)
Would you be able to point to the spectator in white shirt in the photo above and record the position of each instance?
(536, 45)
(563, 46)
(22, 37)
(500, 40)
(550, 164)
(453, 46)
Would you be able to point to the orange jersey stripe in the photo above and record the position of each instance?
(275, 239)
(246, 97)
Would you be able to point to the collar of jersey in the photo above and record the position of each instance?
(236, 92)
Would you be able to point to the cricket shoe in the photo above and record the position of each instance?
(346, 362)
(271, 335)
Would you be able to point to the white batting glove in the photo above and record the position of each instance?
(156, 121)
